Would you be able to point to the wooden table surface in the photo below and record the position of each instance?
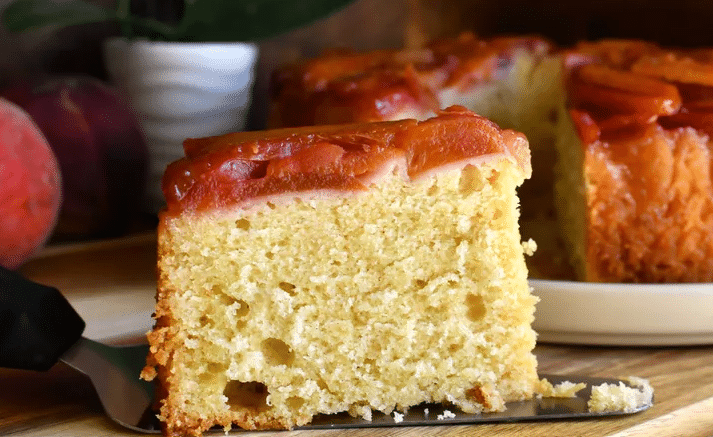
(112, 284)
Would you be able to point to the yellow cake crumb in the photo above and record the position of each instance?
(447, 414)
(620, 397)
(565, 389)
(529, 247)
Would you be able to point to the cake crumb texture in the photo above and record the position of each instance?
(409, 291)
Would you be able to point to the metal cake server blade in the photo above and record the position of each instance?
(39, 328)
(114, 372)
(536, 409)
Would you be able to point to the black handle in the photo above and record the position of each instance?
(37, 324)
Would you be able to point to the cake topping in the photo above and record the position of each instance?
(230, 169)
(345, 86)
(690, 66)
(625, 85)
(645, 124)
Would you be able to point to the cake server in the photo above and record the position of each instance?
(39, 327)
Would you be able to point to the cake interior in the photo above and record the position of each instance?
(404, 293)
(570, 197)
(529, 97)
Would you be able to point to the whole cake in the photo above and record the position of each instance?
(490, 76)
(619, 131)
(342, 268)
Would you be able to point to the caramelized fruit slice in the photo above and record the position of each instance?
(620, 53)
(621, 121)
(698, 106)
(692, 67)
(317, 75)
(449, 138)
(587, 128)
(600, 86)
(702, 121)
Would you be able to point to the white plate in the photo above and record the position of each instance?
(623, 314)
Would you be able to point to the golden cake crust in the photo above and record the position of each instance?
(644, 116)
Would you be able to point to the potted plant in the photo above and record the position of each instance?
(187, 66)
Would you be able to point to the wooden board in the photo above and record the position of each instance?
(113, 281)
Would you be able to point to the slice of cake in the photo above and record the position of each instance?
(342, 268)
(510, 80)
(635, 191)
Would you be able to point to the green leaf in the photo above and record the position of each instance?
(203, 20)
(23, 15)
(248, 20)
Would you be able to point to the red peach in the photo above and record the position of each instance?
(100, 148)
(30, 186)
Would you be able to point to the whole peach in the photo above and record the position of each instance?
(100, 149)
(30, 186)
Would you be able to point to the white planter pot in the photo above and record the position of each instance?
(179, 91)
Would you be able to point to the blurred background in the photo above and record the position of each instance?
(361, 25)
(371, 24)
